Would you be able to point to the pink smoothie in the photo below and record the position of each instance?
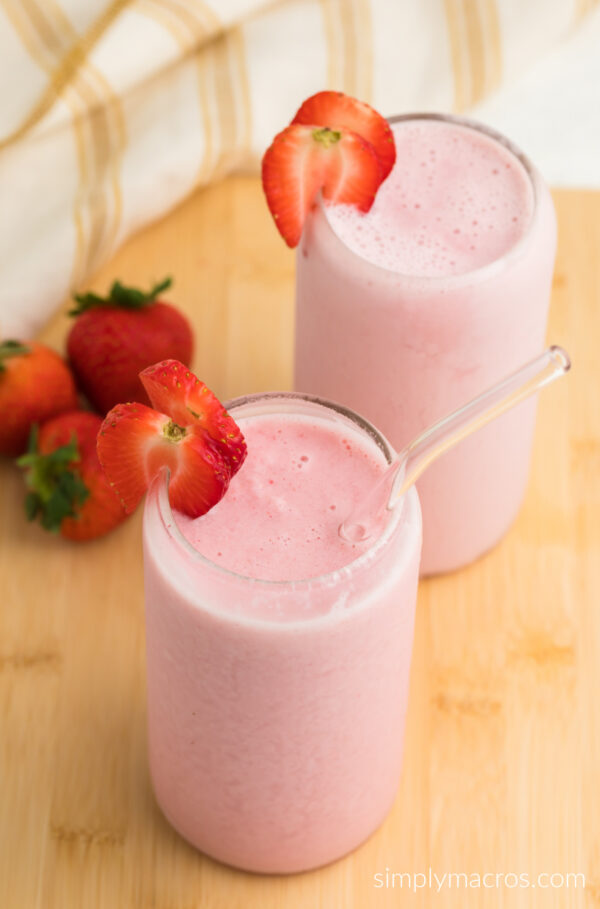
(278, 654)
(456, 200)
(300, 479)
(409, 311)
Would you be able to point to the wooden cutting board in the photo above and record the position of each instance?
(502, 768)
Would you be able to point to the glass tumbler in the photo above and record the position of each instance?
(276, 709)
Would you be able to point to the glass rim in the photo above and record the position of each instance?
(482, 271)
(158, 492)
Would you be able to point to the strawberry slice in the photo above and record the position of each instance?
(135, 442)
(192, 435)
(176, 391)
(339, 111)
(305, 159)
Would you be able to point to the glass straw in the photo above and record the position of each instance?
(409, 464)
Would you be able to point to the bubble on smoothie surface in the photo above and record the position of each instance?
(280, 517)
(455, 201)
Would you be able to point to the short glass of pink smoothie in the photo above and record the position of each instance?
(407, 312)
(278, 654)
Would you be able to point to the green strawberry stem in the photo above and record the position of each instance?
(11, 349)
(55, 489)
(120, 295)
(326, 136)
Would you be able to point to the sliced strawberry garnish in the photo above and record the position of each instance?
(135, 442)
(339, 111)
(305, 159)
(176, 391)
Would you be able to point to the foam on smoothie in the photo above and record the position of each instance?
(280, 516)
(455, 201)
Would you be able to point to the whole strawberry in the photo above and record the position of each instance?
(35, 384)
(67, 489)
(115, 337)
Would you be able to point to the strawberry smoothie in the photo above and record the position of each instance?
(278, 654)
(407, 312)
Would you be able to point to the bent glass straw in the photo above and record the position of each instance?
(409, 464)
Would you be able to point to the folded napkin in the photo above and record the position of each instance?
(112, 112)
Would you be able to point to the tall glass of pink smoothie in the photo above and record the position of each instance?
(410, 310)
(279, 654)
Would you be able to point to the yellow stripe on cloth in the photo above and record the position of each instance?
(190, 32)
(163, 15)
(22, 24)
(45, 50)
(99, 131)
(100, 195)
(98, 205)
(334, 79)
(55, 41)
(493, 42)
(224, 93)
(60, 22)
(583, 7)
(206, 12)
(364, 60)
(475, 47)
(244, 102)
(349, 49)
(221, 54)
(66, 36)
(66, 69)
(348, 35)
(197, 24)
(453, 10)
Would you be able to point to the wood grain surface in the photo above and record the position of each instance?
(502, 767)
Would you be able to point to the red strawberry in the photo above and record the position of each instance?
(176, 391)
(339, 111)
(35, 384)
(305, 159)
(114, 338)
(135, 442)
(68, 491)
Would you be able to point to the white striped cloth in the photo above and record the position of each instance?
(112, 112)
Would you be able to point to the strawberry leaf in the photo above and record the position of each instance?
(55, 488)
(31, 505)
(11, 349)
(120, 295)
